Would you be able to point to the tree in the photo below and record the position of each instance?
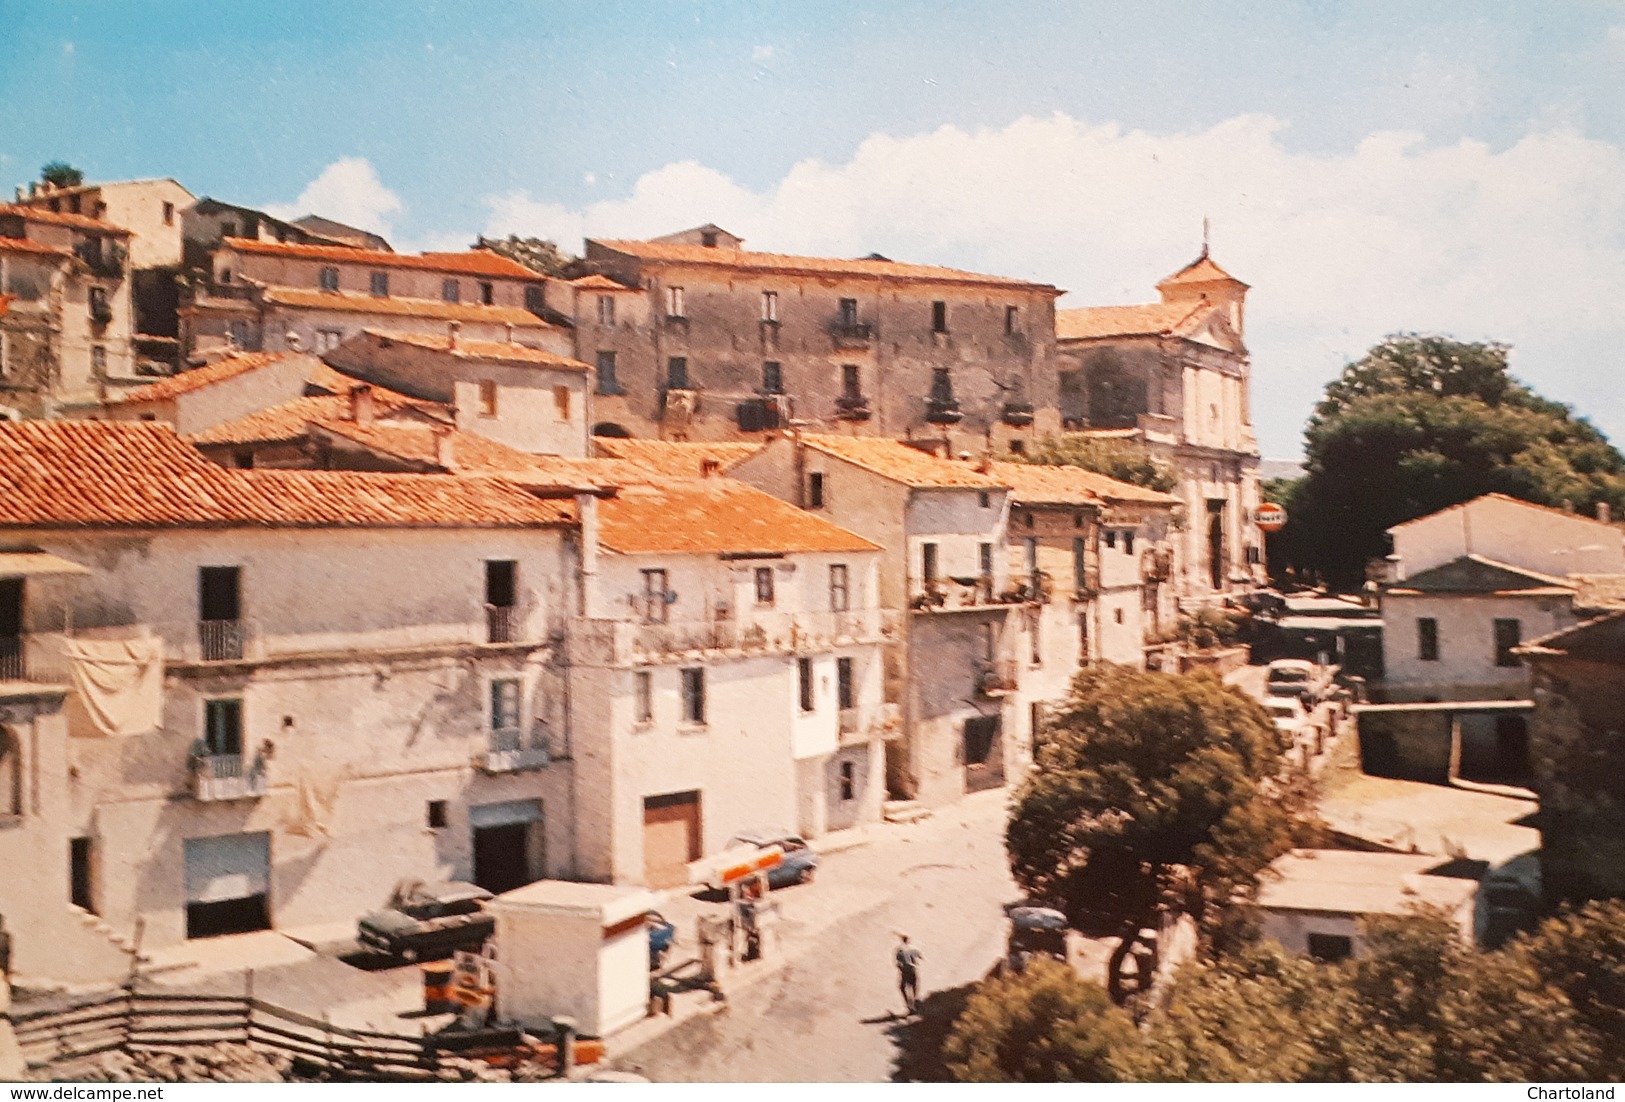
(1045, 1025)
(1153, 794)
(1424, 422)
(536, 253)
(1124, 460)
(1582, 954)
(61, 174)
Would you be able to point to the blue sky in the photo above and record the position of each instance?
(1368, 167)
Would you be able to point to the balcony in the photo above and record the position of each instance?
(501, 623)
(962, 594)
(852, 407)
(106, 263)
(851, 334)
(222, 640)
(509, 753)
(943, 411)
(996, 679)
(228, 777)
(624, 642)
(1034, 589)
(860, 724)
(1157, 564)
(33, 659)
(1017, 414)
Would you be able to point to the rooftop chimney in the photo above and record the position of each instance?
(709, 467)
(510, 332)
(453, 328)
(444, 453)
(1604, 513)
(361, 404)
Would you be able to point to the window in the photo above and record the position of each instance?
(1018, 447)
(535, 299)
(984, 499)
(1080, 573)
(804, 683)
(676, 305)
(561, 403)
(606, 309)
(451, 290)
(1427, 639)
(488, 295)
(81, 879)
(1029, 547)
(708, 239)
(328, 339)
(380, 284)
(488, 398)
(928, 563)
(677, 373)
(851, 381)
(437, 814)
(643, 696)
(505, 704)
(1083, 639)
(655, 597)
(1117, 617)
(1009, 319)
(1111, 537)
(169, 214)
(1330, 948)
(939, 317)
(501, 598)
(98, 359)
(849, 312)
(772, 377)
(225, 275)
(328, 279)
(607, 383)
(228, 229)
(1035, 635)
(694, 695)
(1027, 520)
(1508, 634)
(223, 728)
(846, 695)
(764, 585)
(849, 781)
(1128, 543)
(770, 306)
(98, 301)
(984, 562)
(815, 490)
(11, 774)
(840, 593)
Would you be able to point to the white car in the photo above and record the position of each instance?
(1287, 712)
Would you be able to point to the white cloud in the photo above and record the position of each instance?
(349, 191)
(761, 55)
(1524, 244)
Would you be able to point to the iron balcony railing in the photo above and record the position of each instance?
(228, 777)
(959, 594)
(34, 658)
(620, 642)
(501, 624)
(222, 640)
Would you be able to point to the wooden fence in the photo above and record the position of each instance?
(69, 1031)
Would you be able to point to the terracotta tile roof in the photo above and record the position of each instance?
(710, 516)
(136, 474)
(596, 282)
(679, 460)
(740, 259)
(1514, 500)
(1153, 319)
(901, 463)
(23, 245)
(501, 351)
(1599, 640)
(55, 218)
(404, 307)
(1200, 270)
(474, 262)
(200, 377)
(1042, 484)
(289, 420)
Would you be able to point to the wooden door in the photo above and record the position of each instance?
(671, 838)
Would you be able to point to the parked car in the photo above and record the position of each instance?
(428, 921)
(1287, 712)
(1034, 931)
(1300, 678)
(800, 859)
(661, 936)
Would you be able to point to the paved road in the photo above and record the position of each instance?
(828, 1009)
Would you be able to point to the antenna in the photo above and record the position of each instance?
(1204, 234)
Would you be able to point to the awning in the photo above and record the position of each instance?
(27, 564)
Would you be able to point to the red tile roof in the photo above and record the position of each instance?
(431, 308)
(678, 460)
(200, 377)
(23, 245)
(474, 262)
(1200, 270)
(501, 351)
(289, 420)
(75, 221)
(597, 282)
(712, 516)
(742, 260)
(1041, 484)
(1154, 319)
(901, 463)
(134, 474)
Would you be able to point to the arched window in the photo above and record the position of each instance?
(11, 773)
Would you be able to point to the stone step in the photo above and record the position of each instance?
(904, 811)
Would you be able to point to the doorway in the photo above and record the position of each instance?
(1215, 542)
(228, 884)
(671, 838)
(510, 842)
(984, 753)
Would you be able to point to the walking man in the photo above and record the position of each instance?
(908, 973)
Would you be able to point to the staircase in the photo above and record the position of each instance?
(83, 949)
(904, 811)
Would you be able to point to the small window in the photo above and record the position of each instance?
(939, 317)
(98, 300)
(11, 774)
(328, 339)
(169, 214)
(98, 359)
(815, 490)
(437, 814)
(984, 499)
(1128, 543)
(488, 398)
(677, 373)
(676, 304)
(1427, 639)
(380, 284)
(451, 290)
(561, 403)
(607, 383)
(1027, 520)
(329, 279)
(851, 381)
(1018, 446)
(223, 728)
(849, 312)
(228, 229)
(1080, 574)
(656, 598)
(487, 294)
(694, 695)
(1117, 616)
(846, 695)
(849, 781)
(770, 306)
(772, 377)
(534, 299)
(225, 275)
(1508, 634)
(764, 585)
(1010, 319)
(1330, 948)
(643, 696)
(928, 563)
(840, 593)
(505, 704)
(708, 239)
(1111, 537)
(1035, 633)
(804, 683)
(984, 562)
(606, 309)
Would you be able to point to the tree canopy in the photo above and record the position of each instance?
(1153, 793)
(1044, 1025)
(61, 174)
(1421, 423)
(1124, 460)
(535, 253)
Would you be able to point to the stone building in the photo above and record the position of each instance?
(1174, 375)
(66, 314)
(693, 337)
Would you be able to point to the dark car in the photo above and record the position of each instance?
(800, 859)
(661, 936)
(1035, 931)
(429, 921)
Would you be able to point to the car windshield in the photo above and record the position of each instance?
(1289, 675)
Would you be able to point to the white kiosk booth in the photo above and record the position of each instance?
(573, 950)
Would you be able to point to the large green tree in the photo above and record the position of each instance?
(1044, 1025)
(1153, 794)
(1421, 423)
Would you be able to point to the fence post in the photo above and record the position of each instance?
(248, 1007)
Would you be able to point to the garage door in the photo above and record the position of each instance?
(671, 838)
(510, 841)
(228, 884)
